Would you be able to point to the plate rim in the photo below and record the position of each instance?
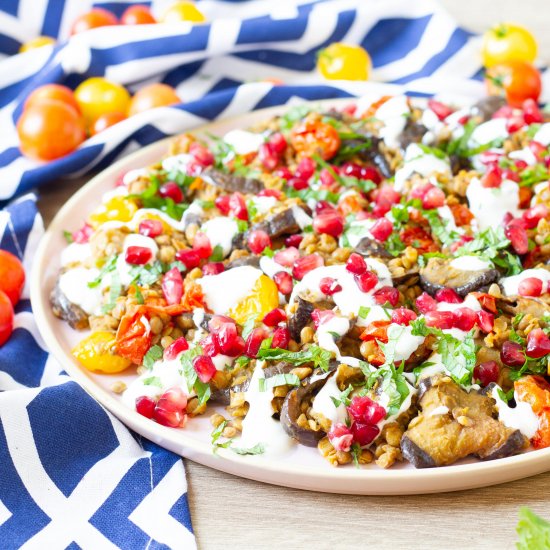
(338, 480)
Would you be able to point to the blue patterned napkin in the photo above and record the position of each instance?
(71, 475)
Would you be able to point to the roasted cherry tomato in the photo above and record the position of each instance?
(314, 137)
(6, 318)
(344, 62)
(50, 129)
(418, 238)
(151, 96)
(137, 15)
(97, 353)
(183, 11)
(535, 390)
(133, 337)
(515, 80)
(52, 91)
(98, 17)
(508, 42)
(377, 330)
(119, 208)
(105, 121)
(461, 214)
(263, 298)
(38, 42)
(98, 96)
(12, 276)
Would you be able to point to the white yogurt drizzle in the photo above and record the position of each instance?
(520, 418)
(510, 285)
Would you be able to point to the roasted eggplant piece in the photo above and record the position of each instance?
(413, 133)
(231, 182)
(62, 308)
(282, 223)
(301, 318)
(438, 274)
(469, 427)
(292, 410)
(485, 108)
(512, 305)
(251, 260)
(372, 248)
(372, 154)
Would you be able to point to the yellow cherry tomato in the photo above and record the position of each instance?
(119, 208)
(508, 42)
(344, 62)
(183, 11)
(96, 353)
(263, 298)
(38, 42)
(98, 96)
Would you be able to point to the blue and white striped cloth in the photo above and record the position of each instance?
(70, 474)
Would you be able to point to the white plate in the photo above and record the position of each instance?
(302, 467)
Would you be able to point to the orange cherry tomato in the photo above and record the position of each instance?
(373, 107)
(535, 390)
(133, 337)
(137, 15)
(52, 91)
(486, 301)
(515, 80)
(50, 129)
(151, 96)
(106, 121)
(315, 137)
(6, 318)
(461, 214)
(525, 196)
(377, 330)
(97, 17)
(12, 276)
(419, 239)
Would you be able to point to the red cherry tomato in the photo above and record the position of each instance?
(12, 276)
(154, 95)
(50, 129)
(97, 17)
(515, 80)
(137, 15)
(52, 91)
(106, 121)
(6, 318)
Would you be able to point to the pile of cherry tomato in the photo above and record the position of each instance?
(12, 281)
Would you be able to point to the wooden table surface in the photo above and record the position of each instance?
(231, 512)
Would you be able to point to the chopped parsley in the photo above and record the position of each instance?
(68, 236)
(108, 266)
(150, 198)
(152, 381)
(278, 380)
(292, 116)
(217, 254)
(314, 354)
(152, 356)
(257, 449)
(114, 293)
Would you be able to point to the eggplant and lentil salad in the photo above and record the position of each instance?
(371, 281)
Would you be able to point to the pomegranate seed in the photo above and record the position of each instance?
(138, 255)
(212, 268)
(538, 149)
(386, 295)
(434, 198)
(387, 196)
(283, 280)
(175, 348)
(514, 124)
(222, 204)
(150, 228)
(254, 341)
(419, 191)
(323, 206)
(326, 178)
(492, 178)
(464, 318)
(340, 437)
(237, 206)
(258, 241)
(274, 317)
(268, 156)
(441, 110)
(531, 286)
(538, 344)
(509, 174)
(533, 215)
(486, 372)
(351, 169)
(145, 406)
(506, 111)
(531, 112)
(329, 286)
(448, 295)
(281, 338)
(202, 245)
(356, 264)
(189, 258)
(210, 346)
(216, 322)
(439, 319)
(287, 256)
(364, 409)
(321, 316)
(169, 410)
(298, 184)
(402, 316)
(284, 173)
(174, 398)
(82, 235)
(306, 264)
(228, 340)
(425, 303)
(204, 367)
(278, 143)
(329, 222)
(370, 173)
(294, 240)
(202, 155)
(366, 281)
(517, 237)
(364, 434)
(171, 190)
(305, 169)
(171, 418)
(485, 321)
(382, 229)
(172, 286)
(275, 193)
(511, 354)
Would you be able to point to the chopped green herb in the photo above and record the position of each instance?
(242, 226)
(114, 293)
(364, 312)
(154, 354)
(314, 354)
(152, 381)
(217, 254)
(248, 327)
(278, 380)
(292, 116)
(258, 449)
(108, 266)
(533, 531)
(356, 453)
(68, 236)
(216, 434)
(344, 397)
(138, 294)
